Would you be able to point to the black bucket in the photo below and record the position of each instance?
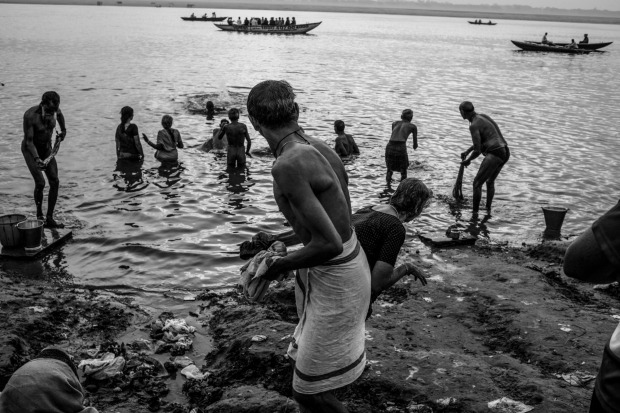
(31, 232)
(554, 218)
(10, 237)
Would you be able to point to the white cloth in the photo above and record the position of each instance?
(254, 286)
(332, 301)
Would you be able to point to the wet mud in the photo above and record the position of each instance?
(492, 322)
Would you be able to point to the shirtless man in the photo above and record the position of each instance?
(396, 158)
(345, 144)
(489, 141)
(236, 132)
(39, 123)
(332, 285)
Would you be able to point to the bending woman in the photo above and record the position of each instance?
(128, 144)
(380, 231)
(168, 140)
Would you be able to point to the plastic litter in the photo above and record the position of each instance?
(258, 338)
(446, 401)
(193, 372)
(189, 298)
(506, 405)
(418, 408)
(576, 378)
(178, 325)
(182, 361)
(103, 368)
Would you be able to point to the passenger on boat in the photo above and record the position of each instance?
(213, 15)
(230, 21)
(236, 133)
(246, 22)
(293, 22)
(346, 139)
(204, 16)
(585, 39)
(168, 140)
(272, 22)
(487, 140)
(288, 22)
(239, 20)
(545, 41)
(572, 44)
(396, 158)
(193, 16)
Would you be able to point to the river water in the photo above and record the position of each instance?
(155, 229)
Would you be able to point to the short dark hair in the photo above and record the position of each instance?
(466, 106)
(233, 114)
(126, 114)
(411, 197)
(407, 114)
(51, 97)
(272, 103)
(339, 125)
(166, 121)
(210, 105)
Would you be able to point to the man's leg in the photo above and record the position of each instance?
(241, 158)
(52, 177)
(491, 182)
(488, 169)
(388, 176)
(39, 182)
(324, 402)
(231, 156)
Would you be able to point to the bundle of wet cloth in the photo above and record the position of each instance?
(254, 286)
(260, 242)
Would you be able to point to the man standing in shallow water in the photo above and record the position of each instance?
(332, 286)
(489, 141)
(396, 158)
(236, 132)
(39, 123)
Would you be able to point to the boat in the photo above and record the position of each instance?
(539, 47)
(489, 23)
(204, 19)
(586, 46)
(290, 29)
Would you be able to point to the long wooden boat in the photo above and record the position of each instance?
(539, 47)
(204, 19)
(586, 46)
(291, 29)
(484, 24)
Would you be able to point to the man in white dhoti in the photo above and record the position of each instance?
(333, 289)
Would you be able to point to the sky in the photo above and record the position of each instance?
(613, 5)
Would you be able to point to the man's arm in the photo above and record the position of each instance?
(477, 140)
(414, 135)
(222, 132)
(354, 149)
(61, 121)
(325, 242)
(248, 140)
(29, 138)
(586, 261)
(340, 149)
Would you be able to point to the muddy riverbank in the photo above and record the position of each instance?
(492, 322)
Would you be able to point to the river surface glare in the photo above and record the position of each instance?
(152, 228)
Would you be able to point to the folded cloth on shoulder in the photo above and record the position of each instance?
(260, 242)
(254, 286)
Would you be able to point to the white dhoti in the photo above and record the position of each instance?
(332, 301)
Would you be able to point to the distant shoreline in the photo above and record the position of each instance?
(352, 8)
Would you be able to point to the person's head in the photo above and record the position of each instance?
(126, 114)
(545, 33)
(585, 35)
(271, 104)
(166, 121)
(467, 109)
(50, 101)
(339, 126)
(407, 115)
(233, 114)
(210, 106)
(224, 122)
(410, 198)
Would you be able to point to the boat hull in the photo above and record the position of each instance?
(204, 19)
(539, 47)
(586, 46)
(296, 29)
(482, 24)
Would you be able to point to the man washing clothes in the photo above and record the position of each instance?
(332, 285)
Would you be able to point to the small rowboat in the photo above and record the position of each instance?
(291, 29)
(586, 46)
(204, 19)
(539, 47)
(484, 24)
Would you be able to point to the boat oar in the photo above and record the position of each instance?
(55, 149)
(457, 191)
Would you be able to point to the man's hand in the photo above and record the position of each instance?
(464, 155)
(248, 154)
(415, 147)
(272, 272)
(40, 163)
(146, 139)
(466, 163)
(61, 135)
(417, 274)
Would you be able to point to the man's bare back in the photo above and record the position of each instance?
(401, 130)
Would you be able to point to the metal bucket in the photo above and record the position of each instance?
(554, 217)
(10, 236)
(31, 232)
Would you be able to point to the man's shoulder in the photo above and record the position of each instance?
(30, 112)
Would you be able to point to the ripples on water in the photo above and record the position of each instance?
(151, 227)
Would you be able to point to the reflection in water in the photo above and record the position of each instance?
(237, 181)
(131, 174)
(171, 171)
